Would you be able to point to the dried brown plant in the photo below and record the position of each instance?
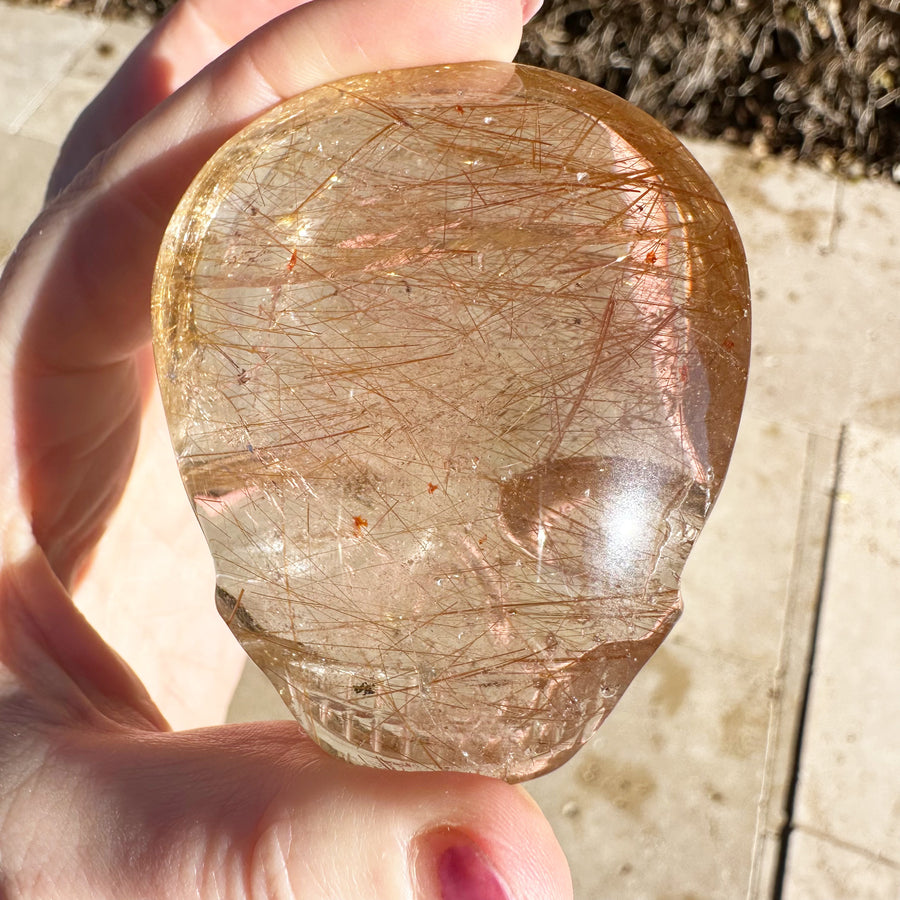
(819, 79)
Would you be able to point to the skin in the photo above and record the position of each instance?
(98, 796)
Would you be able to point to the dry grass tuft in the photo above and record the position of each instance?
(818, 79)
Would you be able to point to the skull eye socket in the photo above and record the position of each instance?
(603, 518)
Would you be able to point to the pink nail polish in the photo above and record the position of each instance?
(529, 9)
(465, 874)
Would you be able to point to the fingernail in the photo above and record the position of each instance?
(529, 9)
(464, 873)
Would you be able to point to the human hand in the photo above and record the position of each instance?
(98, 798)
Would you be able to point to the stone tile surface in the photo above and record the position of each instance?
(824, 259)
(849, 787)
(37, 47)
(821, 869)
(89, 72)
(26, 166)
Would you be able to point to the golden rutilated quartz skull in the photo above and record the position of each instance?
(453, 360)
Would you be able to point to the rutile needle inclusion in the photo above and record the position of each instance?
(453, 360)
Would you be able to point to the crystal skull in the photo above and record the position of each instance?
(453, 360)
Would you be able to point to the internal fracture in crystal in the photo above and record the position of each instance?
(453, 360)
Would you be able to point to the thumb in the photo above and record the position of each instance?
(75, 304)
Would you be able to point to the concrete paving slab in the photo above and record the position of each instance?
(662, 802)
(98, 61)
(37, 47)
(824, 258)
(733, 605)
(57, 112)
(848, 786)
(821, 869)
(26, 167)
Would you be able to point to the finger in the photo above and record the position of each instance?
(89, 259)
(138, 184)
(98, 801)
(54, 667)
(193, 34)
(257, 810)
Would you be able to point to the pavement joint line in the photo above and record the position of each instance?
(781, 869)
(849, 846)
(785, 716)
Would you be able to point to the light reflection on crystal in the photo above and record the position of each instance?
(453, 360)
